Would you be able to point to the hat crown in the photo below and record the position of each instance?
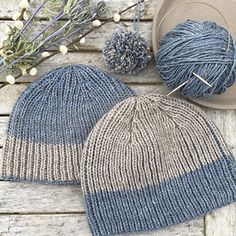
(63, 105)
(154, 112)
(153, 133)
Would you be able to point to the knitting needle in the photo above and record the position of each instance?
(181, 85)
(177, 88)
(204, 81)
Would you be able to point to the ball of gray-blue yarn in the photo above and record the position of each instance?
(200, 47)
(126, 52)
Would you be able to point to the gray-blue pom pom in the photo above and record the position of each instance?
(126, 52)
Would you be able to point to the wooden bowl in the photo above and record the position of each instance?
(197, 11)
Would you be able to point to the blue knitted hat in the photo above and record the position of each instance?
(51, 120)
(151, 162)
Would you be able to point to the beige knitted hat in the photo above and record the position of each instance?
(151, 162)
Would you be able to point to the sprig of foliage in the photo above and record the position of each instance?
(53, 8)
(15, 47)
(20, 52)
(31, 53)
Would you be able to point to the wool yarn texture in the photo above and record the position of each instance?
(151, 162)
(204, 48)
(126, 52)
(51, 121)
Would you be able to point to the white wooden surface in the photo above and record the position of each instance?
(49, 210)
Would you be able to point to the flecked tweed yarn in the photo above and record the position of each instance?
(51, 120)
(126, 52)
(200, 47)
(151, 162)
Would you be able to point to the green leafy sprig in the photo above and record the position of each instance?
(31, 53)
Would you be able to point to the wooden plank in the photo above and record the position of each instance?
(222, 222)
(1, 150)
(10, 93)
(3, 129)
(76, 224)
(96, 39)
(8, 7)
(225, 120)
(16, 197)
(44, 225)
(149, 75)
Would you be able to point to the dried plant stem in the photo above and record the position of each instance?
(73, 42)
(62, 39)
(54, 20)
(33, 15)
(21, 17)
(56, 33)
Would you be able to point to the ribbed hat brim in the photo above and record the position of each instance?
(37, 162)
(166, 204)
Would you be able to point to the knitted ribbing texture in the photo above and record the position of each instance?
(51, 120)
(151, 162)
